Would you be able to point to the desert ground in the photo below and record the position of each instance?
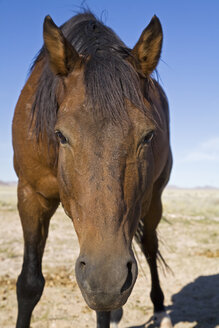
(189, 242)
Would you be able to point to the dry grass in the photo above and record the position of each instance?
(188, 241)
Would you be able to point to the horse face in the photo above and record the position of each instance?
(105, 172)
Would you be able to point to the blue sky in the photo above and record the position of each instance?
(189, 70)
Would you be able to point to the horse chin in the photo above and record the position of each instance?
(105, 301)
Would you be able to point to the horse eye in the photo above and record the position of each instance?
(148, 137)
(61, 137)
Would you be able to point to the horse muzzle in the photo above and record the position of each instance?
(106, 283)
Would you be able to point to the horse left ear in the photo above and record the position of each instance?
(62, 55)
(148, 48)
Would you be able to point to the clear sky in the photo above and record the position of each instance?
(189, 70)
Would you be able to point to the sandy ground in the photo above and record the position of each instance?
(189, 241)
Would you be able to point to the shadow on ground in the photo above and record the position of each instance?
(196, 303)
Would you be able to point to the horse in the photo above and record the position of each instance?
(91, 130)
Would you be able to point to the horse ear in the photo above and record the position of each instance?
(62, 55)
(148, 48)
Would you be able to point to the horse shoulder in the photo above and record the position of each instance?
(161, 145)
(33, 161)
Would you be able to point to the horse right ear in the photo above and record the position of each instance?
(62, 55)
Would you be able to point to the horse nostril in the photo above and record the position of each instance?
(128, 281)
(82, 265)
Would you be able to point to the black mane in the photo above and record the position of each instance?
(109, 78)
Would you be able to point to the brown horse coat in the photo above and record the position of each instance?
(108, 163)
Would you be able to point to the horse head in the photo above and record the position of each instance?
(105, 130)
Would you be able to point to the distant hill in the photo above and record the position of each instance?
(197, 187)
(206, 187)
(169, 186)
(8, 183)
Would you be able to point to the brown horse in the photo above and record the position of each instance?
(91, 129)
